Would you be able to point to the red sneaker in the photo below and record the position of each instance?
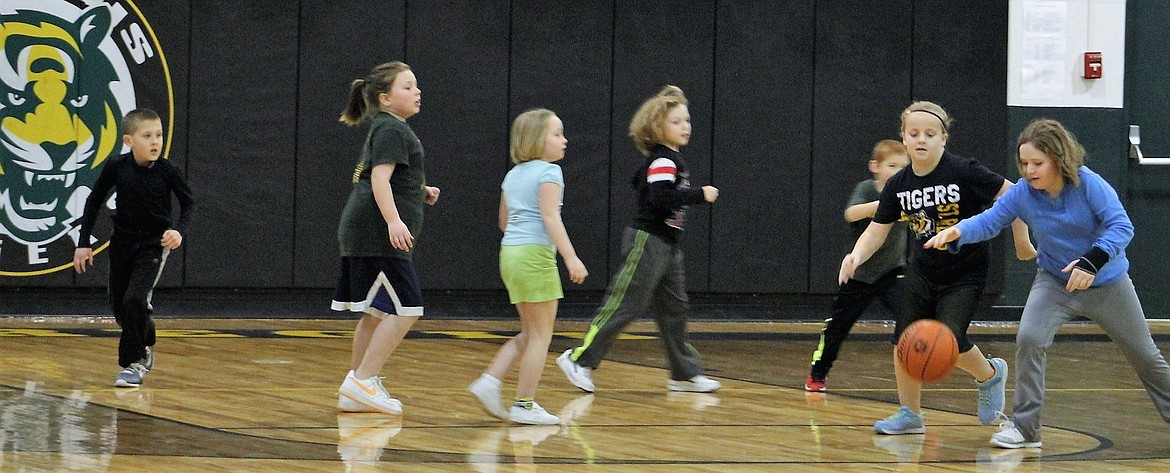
(814, 385)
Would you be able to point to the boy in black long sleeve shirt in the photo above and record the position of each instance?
(143, 235)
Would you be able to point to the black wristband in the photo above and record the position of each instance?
(1083, 264)
(1093, 260)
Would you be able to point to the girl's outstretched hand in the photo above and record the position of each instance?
(939, 241)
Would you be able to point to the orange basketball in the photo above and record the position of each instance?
(928, 350)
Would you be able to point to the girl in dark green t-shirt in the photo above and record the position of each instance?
(377, 231)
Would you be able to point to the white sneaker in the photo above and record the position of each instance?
(697, 384)
(345, 404)
(369, 393)
(1010, 437)
(580, 376)
(487, 390)
(535, 415)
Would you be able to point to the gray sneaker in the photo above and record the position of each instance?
(131, 376)
(147, 361)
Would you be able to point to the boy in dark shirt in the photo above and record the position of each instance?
(143, 235)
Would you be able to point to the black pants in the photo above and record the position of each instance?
(135, 265)
(852, 300)
(651, 279)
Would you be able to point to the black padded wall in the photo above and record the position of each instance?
(964, 70)
(168, 22)
(460, 55)
(243, 143)
(786, 99)
(565, 67)
(1145, 188)
(864, 64)
(762, 101)
(1146, 74)
(340, 42)
(659, 43)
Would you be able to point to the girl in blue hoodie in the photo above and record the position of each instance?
(1081, 230)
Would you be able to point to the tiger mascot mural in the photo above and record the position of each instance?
(64, 86)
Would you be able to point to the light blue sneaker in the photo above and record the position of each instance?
(991, 392)
(904, 421)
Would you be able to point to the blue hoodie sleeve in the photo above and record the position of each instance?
(1116, 230)
(990, 222)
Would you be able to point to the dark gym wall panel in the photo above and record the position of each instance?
(243, 143)
(460, 55)
(339, 42)
(1147, 90)
(763, 91)
(560, 60)
(1146, 188)
(659, 43)
(169, 22)
(964, 69)
(864, 65)
(787, 98)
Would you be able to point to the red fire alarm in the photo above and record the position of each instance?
(1092, 65)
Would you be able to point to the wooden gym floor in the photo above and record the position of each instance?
(259, 395)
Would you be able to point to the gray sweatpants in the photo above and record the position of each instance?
(1115, 308)
(651, 278)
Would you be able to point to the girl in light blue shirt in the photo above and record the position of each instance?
(1081, 230)
(530, 217)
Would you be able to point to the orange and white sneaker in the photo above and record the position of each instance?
(345, 404)
(370, 393)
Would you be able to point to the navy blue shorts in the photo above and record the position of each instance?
(378, 285)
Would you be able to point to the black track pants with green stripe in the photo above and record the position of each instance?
(650, 278)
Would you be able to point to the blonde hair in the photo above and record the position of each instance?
(886, 148)
(931, 108)
(528, 131)
(647, 124)
(363, 93)
(1051, 138)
